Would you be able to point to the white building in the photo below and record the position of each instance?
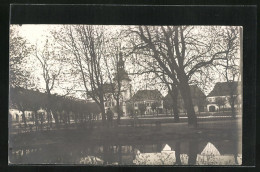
(219, 96)
(148, 97)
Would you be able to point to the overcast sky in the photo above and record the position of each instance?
(38, 34)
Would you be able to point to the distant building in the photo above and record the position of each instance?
(125, 88)
(223, 90)
(148, 97)
(198, 99)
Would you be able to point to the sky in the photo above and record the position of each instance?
(38, 34)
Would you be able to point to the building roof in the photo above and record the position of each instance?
(143, 95)
(195, 93)
(122, 75)
(224, 88)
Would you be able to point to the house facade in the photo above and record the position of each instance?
(219, 97)
(198, 99)
(148, 98)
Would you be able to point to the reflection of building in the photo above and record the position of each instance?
(112, 89)
(210, 155)
(148, 97)
(220, 95)
(165, 157)
(198, 99)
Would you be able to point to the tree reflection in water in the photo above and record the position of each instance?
(193, 152)
(177, 153)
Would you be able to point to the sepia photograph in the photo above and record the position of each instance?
(125, 95)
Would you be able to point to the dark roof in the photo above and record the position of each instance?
(195, 93)
(224, 88)
(122, 75)
(142, 95)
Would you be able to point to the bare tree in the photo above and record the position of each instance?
(86, 44)
(230, 66)
(156, 76)
(155, 106)
(51, 69)
(220, 101)
(181, 51)
(19, 49)
(142, 108)
(115, 79)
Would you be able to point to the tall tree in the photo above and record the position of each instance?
(19, 50)
(230, 66)
(85, 43)
(51, 69)
(181, 51)
(113, 64)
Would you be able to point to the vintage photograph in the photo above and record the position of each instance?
(125, 95)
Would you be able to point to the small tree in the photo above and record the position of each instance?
(142, 108)
(167, 105)
(130, 109)
(19, 99)
(220, 101)
(155, 106)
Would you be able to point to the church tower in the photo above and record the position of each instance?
(124, 79)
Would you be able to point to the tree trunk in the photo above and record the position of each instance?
(24, 119)
(56, 119)
(233, 113)
(193, 151)
(174, 96)
(232, 104)
(36, 118)
(119, 155)
(69, 118)
(118, 111)
(186, 95)
(177, 153)
(103, 114)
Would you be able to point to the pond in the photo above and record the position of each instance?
(170, 152)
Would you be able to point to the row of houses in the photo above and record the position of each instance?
(217, 99)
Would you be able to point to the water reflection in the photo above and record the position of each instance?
(192, 152)
(209, 156)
